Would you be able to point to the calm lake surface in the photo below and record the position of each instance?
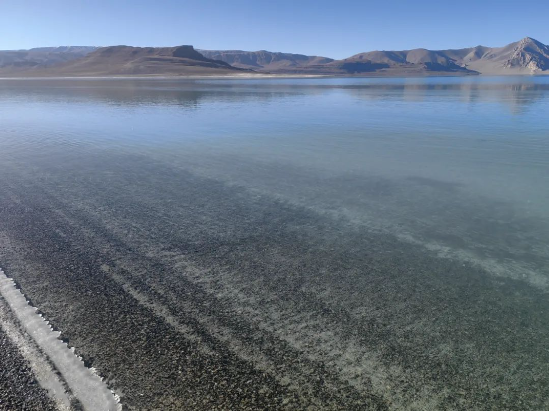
(287, 243)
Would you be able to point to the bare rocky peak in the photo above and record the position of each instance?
(528, 53)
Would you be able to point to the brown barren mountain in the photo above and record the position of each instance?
(265, 60)
(42, 56)
(527, 56)
(417, 60)
(127, 60)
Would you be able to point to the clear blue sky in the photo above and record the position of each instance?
(335, 28)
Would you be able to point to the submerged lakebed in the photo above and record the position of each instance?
(286, 243)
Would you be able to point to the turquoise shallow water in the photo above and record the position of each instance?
(416, 209)
(488, 133)
(475, 143)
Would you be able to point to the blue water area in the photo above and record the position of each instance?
(390, 234)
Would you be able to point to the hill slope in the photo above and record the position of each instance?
(408, 62)
(127, 60)
(42, 56)
(527, 56)
(265, 60)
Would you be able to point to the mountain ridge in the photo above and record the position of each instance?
(526, 56)
(128, 60)
(263, 59)
(43, 56)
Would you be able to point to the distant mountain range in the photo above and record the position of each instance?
(42, 56)
(527, 56)
(118, 61)
(523, 57)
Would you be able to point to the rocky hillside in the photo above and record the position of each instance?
(42, 56)
(127, 60)
(417, 60)
(265, 60)
(527, 56)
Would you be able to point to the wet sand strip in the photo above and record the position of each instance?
(87, 387)
(28, 378)
(19, 389)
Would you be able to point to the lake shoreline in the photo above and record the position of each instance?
(261, 76)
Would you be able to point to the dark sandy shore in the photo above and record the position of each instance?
(188, 293)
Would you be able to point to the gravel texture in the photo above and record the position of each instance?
(187, 293)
